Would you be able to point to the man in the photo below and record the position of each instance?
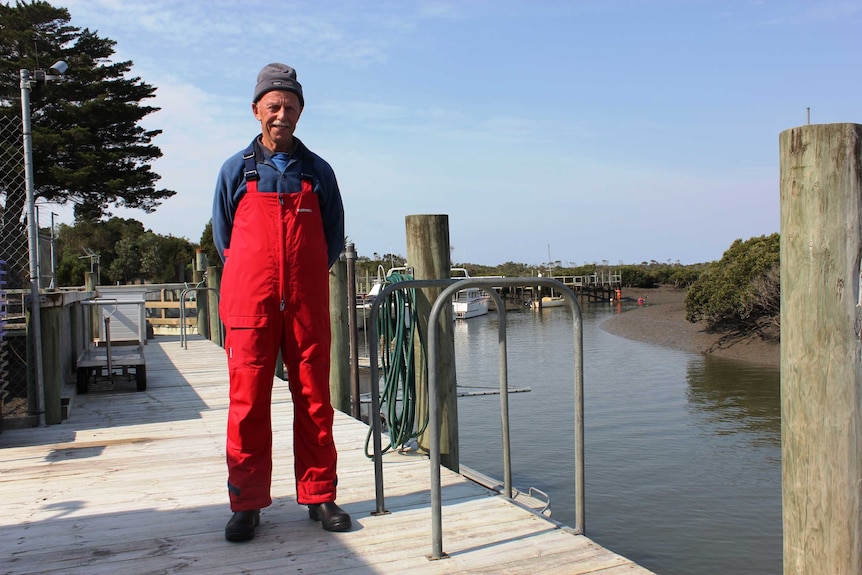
(278, 225)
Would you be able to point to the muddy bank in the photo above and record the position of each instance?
(661, 320)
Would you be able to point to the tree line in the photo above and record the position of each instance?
(121, 251)
(740, 293)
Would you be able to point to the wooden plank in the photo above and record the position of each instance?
(189, 304)
(134, 483)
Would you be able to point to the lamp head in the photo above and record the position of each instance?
(58, 69)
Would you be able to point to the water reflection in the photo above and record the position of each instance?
(683, 450)
(735, 397)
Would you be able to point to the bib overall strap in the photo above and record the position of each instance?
(250, 169)
(251, 176)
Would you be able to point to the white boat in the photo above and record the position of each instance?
(470, 302)
(550, 301)
(466, 303)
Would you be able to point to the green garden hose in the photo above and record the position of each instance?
(397, 332)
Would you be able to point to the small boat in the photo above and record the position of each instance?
(470, 302)
(549, 301)
(466, 303)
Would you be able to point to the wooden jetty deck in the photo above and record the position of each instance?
(134, 482)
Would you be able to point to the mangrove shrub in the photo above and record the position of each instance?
(741, 291)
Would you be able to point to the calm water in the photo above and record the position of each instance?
(683, 453)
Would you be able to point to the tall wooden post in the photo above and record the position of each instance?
(214, 323)
(821, 354)
(428, 255)
(52, 353)
(339, 371)
(201, 296)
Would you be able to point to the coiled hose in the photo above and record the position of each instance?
(397, 332)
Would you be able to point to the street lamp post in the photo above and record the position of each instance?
(54, 72)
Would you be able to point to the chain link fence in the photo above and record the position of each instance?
(13, 242)
(14, 251)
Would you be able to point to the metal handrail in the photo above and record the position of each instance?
(433, 406)
(443, 299)
(183, 339)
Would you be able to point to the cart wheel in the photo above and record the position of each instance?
(83, 380)
(141, 377)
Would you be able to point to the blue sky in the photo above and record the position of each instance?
(618, 130)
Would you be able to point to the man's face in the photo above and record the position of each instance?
(278, 111)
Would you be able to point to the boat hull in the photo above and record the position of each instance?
(470, 303)
(548, 301)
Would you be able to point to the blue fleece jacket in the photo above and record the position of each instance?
(231, 187)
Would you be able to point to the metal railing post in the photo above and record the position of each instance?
(433, 415)
(451, 287)
(350, 256)
(504, 390)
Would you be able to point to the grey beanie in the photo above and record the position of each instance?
(277, 77)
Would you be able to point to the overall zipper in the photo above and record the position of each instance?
(281, 251)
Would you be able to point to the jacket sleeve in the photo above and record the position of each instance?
(227, 193)
(332, 211)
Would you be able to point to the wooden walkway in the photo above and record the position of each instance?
(134, 482)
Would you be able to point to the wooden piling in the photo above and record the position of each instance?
(821, 355)
(52, 359)
(428, 255)
(202, 296)
(339, 371)
(215, 325)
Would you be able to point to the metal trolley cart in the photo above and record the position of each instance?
(115, 356)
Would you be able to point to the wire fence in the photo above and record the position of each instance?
(14, 251)
(13, 242)
(4, 354)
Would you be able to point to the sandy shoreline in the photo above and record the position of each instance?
(662, 321)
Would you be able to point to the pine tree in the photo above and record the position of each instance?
(87, 145)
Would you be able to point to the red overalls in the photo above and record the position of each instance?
(275, 295)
